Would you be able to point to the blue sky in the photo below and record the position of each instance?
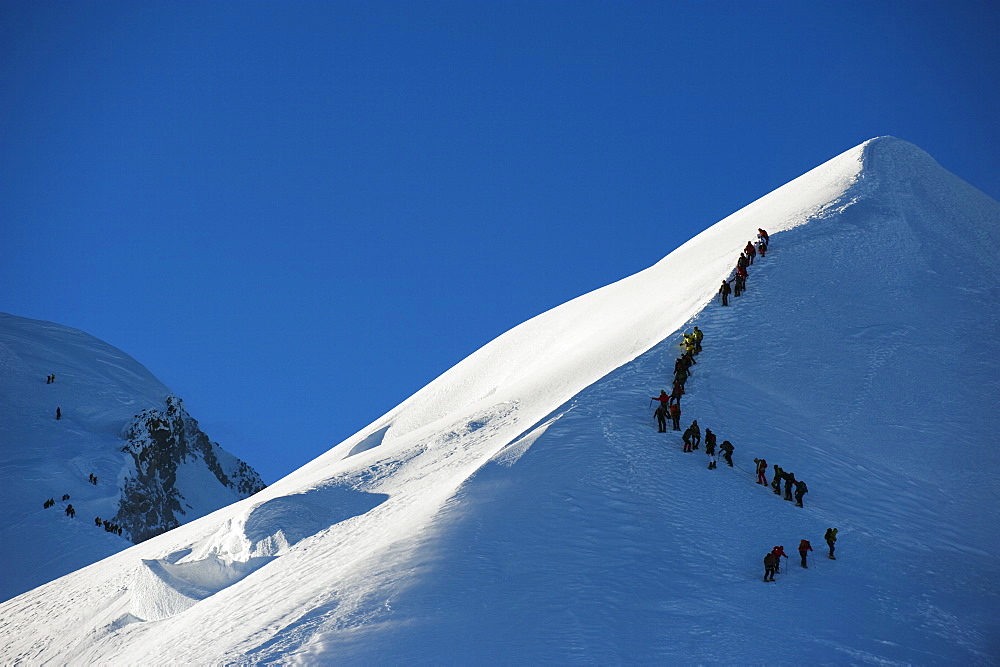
(296, 214)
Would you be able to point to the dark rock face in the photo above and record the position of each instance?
(161, 442)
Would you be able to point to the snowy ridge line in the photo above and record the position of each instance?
(555, 355)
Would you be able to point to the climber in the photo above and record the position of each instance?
(709, 441)
(725, 290)
(789, 481)
(831, 541)
(727, 452)
(687, 439)
(70, 512)
(661, 417)
(800, 490)
(750, 251)
(762, 235)
(698, 336)
(58, 414)
(804, 549)
(769, 566)
(779, 553)
(695, 434)
(678, 391)
(761, 471)
(675, 415)
(741, 280)
(779, 474)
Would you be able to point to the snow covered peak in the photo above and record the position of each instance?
(523, 508)
(77, 456)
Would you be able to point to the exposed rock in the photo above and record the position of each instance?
(160, 442)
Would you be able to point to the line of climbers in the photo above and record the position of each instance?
(740, 274)
(92, 478)
(108, 526)
(670, 406)
(50, 379)
(772, 560)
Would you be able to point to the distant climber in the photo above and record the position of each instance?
(698, 336)
(663, 398)
(761, 471)
(743, 261)
(779, 553)
(750, 251)
(688, 360)
(677, 392)
(761, 249)
(800, 490)
(687, 439)
(789, 482)
(695, 434)
(65, 497)
(713, 462)
(804, 549)
(661, 417)
(762, 235)
(97, 521)
(58, 414)
(725, 291)
(831, 541)
(741, 280)
(769, 566)
(727, 452)
(70, 512)
(709, 441)
(779, 474)
(675, 415)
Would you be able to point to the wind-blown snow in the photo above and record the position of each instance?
(523, 508)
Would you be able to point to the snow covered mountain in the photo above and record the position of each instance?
(124, 454)
(523, 508)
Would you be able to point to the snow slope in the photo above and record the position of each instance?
(523, 508)
(99, 390)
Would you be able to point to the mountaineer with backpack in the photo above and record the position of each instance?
(800, 490)
(727, 452)
(804, 549)
(789, 481)
(769, 566)
(675, 415)
(688, 434)
(779, 474)
(761, 471)
(831, 541)
(779, 553)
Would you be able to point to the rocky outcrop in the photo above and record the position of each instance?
(171, 455)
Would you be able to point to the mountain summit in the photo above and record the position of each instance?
(523, 507)
(121, 451)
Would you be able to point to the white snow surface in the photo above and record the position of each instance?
(522, 508)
